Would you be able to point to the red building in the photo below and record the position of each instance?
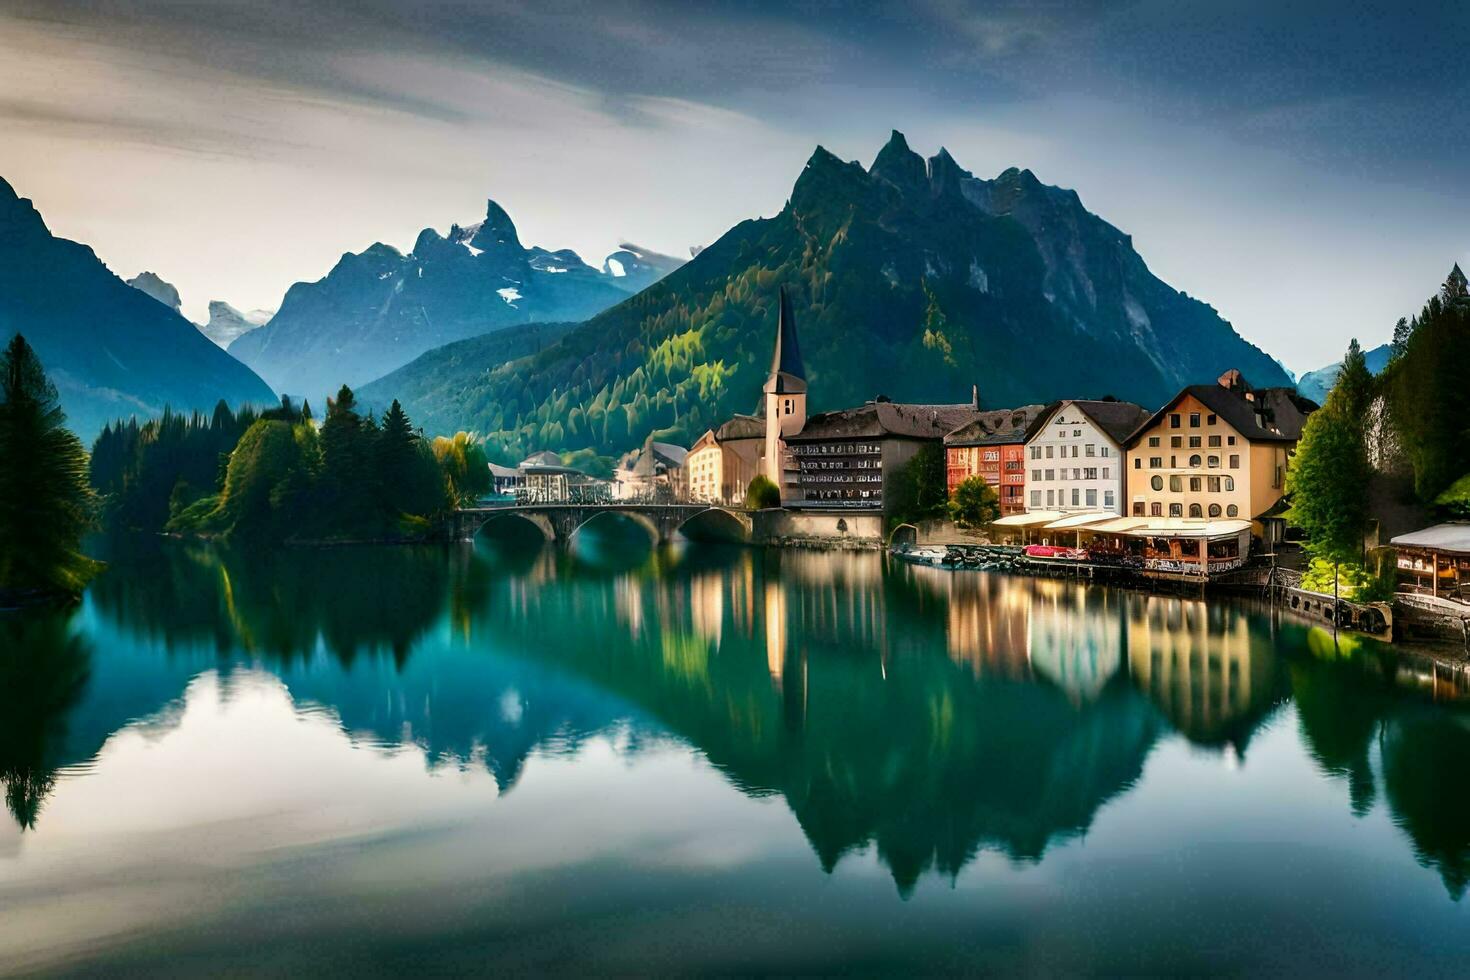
(993, 446)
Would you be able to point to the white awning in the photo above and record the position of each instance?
(1083, 520)
(1030, 519)
(1120, 525)
(1181, 527)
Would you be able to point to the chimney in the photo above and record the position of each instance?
(975, 397)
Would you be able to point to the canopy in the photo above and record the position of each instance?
(1082, 520)
(1120, 525)
(1180, 527)
(1029, 519)
(1453, 537)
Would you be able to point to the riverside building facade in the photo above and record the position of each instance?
(1074, 456)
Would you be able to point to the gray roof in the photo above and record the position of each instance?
(1117, 419)
(1454, 537)
(876, 420)
(741, 427)
(995, 427)
(544, 458)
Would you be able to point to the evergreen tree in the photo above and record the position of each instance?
(1454, 289)
(1328, 480)
(46, 503)
(975, 503)
(1356, 387)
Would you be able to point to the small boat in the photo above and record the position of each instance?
(927, 555)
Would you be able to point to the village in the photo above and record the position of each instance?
(1194, 490)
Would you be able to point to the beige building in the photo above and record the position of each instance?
(704, 470)
(1216, 452)
(723, 461)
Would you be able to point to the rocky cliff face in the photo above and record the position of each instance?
(378, 309)
(911, 278)
(153, 285)
(112, 350)
(227, 324)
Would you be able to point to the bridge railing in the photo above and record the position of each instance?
(599, 495)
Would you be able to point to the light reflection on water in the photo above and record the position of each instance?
(701, 757)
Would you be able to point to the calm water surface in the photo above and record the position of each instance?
(460, 760)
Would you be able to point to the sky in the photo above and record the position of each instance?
(1300, 166)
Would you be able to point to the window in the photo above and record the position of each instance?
(1176, 510)
(1196, 484)
(1074, 452)
(1077, 432)
(1176, 442)
(1229, 440)
(1051, 475)
(1210, 420)
(1195, 510)
(1194, 442)
(1108, 499)
(1214, 484)
(1090, 450)
(1176, 484)
(1230, 484)
(1036, 498)
(1156, 462)
(1075, 496)
(1048, 452)
(1104, 451)
(1214, 510)
(1173, 462)
(1195, 462)
(1213, 462)
(1092, 498)
(1157, 483)
(790, 407)
(1194, 420)
(1138, 508)
(1234, 461)
(1214, 440)
(1138, 462)
(1153, 441)
(1174, 420)
(1155, 510)
(1232, 511)
(1035, 452)
(1090, 473)
(1051, 498)
(1036, 475)
(1105, 472)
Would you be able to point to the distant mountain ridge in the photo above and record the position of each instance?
(112, 350)
(911, 278)
(378, 309)
(1316, 384)
(225, 325)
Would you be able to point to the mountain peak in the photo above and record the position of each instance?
(898, 164)
(155, 286)
(944, 173)
(7, 193)
(496, 230)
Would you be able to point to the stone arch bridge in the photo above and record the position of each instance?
(558, 522)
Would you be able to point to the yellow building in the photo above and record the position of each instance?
(1216, 452)
(704, 470)
(723, 461)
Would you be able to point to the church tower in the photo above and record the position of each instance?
(785, 393)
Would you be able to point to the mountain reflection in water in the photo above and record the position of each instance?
(930, 716)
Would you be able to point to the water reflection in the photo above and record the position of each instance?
(923, 715)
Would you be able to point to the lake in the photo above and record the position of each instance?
(509, 757)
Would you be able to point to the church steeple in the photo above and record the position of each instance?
(784, 393)
(788, 374)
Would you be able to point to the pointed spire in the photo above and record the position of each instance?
(787, 371)
(1455, 286)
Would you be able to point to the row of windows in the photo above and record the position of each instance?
(1058, 498)
(835, 449)
(1091, 449)
(1177, 442)
(807, 478)
(1177, 510)
(1175, 420)
(840, 464)
(1197, 484)
(1083, 473)
(1195, 462)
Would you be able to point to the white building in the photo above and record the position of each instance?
(1074, 456)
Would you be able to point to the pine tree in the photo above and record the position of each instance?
(46, 502)
(1455, 288)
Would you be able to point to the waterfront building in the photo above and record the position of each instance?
(723, 461)
(993, 446)
(703, 465)
(655, 470)
(1435, 561)
(505, 479)
(846, 459)
(1074, 456)
(1217, 452)
(543, 479)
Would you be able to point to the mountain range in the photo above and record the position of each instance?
(225, 325)
(378, 309)
(112, 350)
(1316, 384)
(911, 279)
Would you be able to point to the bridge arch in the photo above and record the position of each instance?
(716, 524)
(539, 521)
(651, 527)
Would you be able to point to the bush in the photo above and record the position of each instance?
(1355, 582)
(975, 503)
(762, 493)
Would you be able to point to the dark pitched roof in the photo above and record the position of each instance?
(880, 419)
(1117, 419)
(741, 427)
(996, 426)
(1260, 414)
(788, 374)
